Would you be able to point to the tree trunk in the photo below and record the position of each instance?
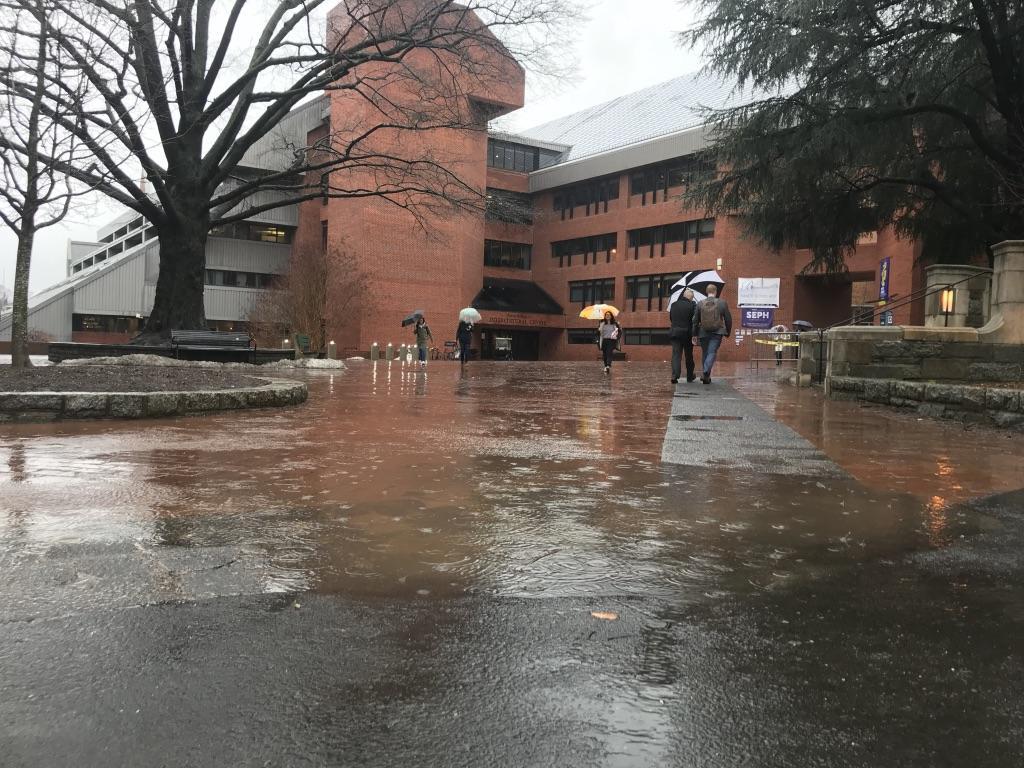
(178, 304)
(19, 316)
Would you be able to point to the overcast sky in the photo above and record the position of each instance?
(621, 48)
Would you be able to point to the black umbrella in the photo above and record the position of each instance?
(417, 315)
(803, 325)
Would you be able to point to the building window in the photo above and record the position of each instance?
(518, 157)
(657, 337)
(581, 336)
(247, 230)
(323, 236)
(587, 292)
(653, 182)
(106, 323)
(228, 278)
(646, 293)
(592, 197)
(658, 241)
(498, 253)
(509, 207)
(587, 249)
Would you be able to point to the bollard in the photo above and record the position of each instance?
(402, 350)
(332, 351)
(375, 351)
(390, 352)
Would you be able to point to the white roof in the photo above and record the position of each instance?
(659, 110)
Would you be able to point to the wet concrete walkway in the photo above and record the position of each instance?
(403, 572)
(714, 426)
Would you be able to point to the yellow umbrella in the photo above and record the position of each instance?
(597, 311)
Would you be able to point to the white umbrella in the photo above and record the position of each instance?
(469, 315)
(697, 281)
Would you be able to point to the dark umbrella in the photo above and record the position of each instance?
(417, 315)
(803, 325)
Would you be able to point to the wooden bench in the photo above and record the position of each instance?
(212, 340)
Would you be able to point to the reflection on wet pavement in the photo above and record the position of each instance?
(405, 571)
(513, 480)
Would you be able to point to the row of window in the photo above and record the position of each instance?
(587, 292)
(132, 324)
(654, 180)
(510, 156)
(233, 279)
(656, 241)
(106, 323)
(593, 197)
(498, 253)
(247, 230)
(509, 207)
(630, 336)
(644, 293)
(587, 248)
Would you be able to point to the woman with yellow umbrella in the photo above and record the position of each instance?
(609, 332)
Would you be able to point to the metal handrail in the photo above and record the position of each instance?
(921, 293)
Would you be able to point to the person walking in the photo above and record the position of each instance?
(423, 338)
(711, 323)
(778, 330)
(681, 335)
(609, 333)
(464, 335)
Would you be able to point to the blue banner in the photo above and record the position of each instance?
(757, 317)
(883, 278)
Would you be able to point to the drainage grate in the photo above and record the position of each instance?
(707, 418)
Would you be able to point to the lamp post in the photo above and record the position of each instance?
(947, 302)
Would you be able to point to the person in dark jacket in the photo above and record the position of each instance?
(464, 335)
(681, 334)
(711, 323)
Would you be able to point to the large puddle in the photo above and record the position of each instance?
(511, 479)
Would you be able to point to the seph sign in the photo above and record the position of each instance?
(757, 317)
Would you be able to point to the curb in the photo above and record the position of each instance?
(54, 406)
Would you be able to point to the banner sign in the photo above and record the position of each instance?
(759, 292)
(883, 278)
(757, 317)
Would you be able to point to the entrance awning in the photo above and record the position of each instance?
(519, 296)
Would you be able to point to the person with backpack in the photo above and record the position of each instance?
(680, 334)
(711, 323)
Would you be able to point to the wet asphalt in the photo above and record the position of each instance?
(405, 571)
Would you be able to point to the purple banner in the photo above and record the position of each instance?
(757, 317)
(884, 267)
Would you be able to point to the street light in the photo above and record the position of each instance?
(947, 302)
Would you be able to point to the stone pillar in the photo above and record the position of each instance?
(978, 284)
(1007, 323)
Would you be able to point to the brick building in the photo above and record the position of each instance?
(584, 209)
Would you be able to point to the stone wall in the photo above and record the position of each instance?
(922, 354)
(1003, 407)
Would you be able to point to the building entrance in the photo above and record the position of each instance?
(502, 344)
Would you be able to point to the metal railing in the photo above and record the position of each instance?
(862, 315)
(772, 349)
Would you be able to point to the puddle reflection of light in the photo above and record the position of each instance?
(938, 521)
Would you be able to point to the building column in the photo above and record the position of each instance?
(1007, 319)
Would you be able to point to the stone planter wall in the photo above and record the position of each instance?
(52, 406)
(983, 405)
(922, 354)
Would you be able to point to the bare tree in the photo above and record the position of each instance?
(190, 90)
(314, 297)
(34, 141)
